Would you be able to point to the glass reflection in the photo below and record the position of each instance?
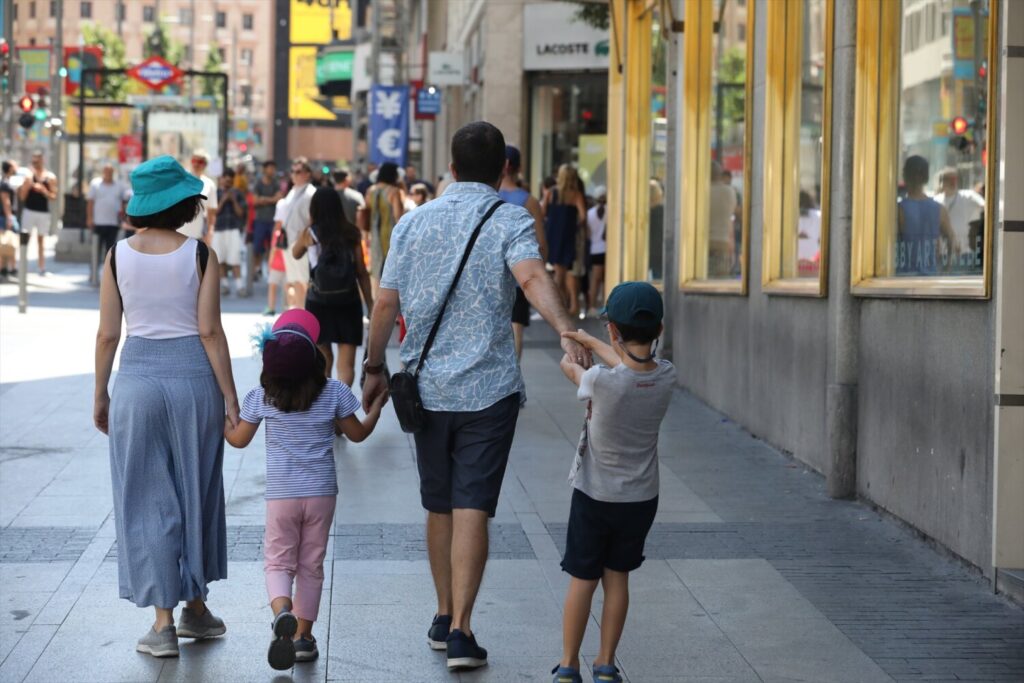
(728, 117)
(943, 140)
(659, 148)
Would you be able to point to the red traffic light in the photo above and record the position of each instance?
(959, 125)
(26, 103)
(5, 48)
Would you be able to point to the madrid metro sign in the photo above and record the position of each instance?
(155, 72)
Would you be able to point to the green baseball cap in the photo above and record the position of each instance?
(159, 184)
(637, 304)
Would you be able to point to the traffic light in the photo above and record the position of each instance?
(959, 125)
(5, 65)
(962, 139)
(26, 103)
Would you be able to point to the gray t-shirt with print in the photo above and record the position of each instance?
(627, 407)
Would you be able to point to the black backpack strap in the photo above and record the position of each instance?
(203, 254)
(113, 270)
(458, 274)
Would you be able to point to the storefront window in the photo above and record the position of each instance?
(659, 148)
(568, 123)
(797, 147)
(716, 186)
(924, 224)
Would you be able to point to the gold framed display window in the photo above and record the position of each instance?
(798, 112)
(924, 139)
(717, 109)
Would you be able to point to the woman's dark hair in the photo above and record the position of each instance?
(295, 394)
(478, 153)
(638, 335)
(806, 203)
(600, 210)
(332, 229)
(172, 217)
(388, 173)
(8, 166)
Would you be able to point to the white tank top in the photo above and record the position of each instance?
(160, 292)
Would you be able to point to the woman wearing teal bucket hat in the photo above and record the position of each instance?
(166, 418)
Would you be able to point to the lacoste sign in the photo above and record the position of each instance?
(554, 40)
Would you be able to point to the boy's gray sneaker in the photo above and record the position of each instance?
(162, 644)
(205, 625)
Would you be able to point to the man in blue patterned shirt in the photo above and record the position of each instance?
(470, 383)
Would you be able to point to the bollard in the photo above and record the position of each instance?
(23, 240)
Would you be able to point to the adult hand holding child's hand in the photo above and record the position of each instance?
(575, 349)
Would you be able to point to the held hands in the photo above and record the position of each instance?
(375, 390)
(231, 411)
(577, 346)
(379, 401)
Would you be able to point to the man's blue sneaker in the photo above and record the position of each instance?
(566, 674)
(437, 636)
(463, 652)
(607, 673)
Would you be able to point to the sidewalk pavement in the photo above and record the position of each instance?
(752, 573)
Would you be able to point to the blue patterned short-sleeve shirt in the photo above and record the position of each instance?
(472, 364)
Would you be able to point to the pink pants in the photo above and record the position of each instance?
(294, 547)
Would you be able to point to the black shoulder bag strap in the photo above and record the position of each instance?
(448, 296)
(202, 253)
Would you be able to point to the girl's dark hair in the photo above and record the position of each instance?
(295, 394)
(330, 226)
(172, 217)
(388, 173)
(8, 166)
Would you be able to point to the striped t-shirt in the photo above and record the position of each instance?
(300, 445)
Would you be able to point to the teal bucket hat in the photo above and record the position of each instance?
(159, 184)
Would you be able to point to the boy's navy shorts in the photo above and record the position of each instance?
(461, 457)
(606, 536)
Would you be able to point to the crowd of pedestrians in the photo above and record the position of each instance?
(389, 255)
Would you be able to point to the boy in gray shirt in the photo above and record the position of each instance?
(615, 494)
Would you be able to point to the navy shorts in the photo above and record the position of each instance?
(605, 536)
(461, 457)
(521, 309)
(262, 231)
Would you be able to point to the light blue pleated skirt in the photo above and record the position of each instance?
(166, 460)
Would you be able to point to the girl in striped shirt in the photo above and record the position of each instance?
(304, 411)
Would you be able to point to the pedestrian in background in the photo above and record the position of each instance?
(201, 226)
(351, 200)
(597, 227)
(565, 211)
(419, 194)
(9, 227)
(615, 474)
(338, 274)
(104, 207)
(386, 206)
(296, 220)
(470, 387)
(173, 392)
(303, 410)
(227, 235)
(512, 193)
(35, 195)
(266, 193)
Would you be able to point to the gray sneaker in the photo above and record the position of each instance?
(205, 625)
(162, 644)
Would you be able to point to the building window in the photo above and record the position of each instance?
(121, 13)
(716, 152)
(797, 148)
(186, 54)
(741, 32)
(32, 9)
(247, 22)
(223, 55)
(184, 16)
(246, 56)
(222, 19)
(148, 14)
(53, 8)
(922, 158)
(14, 12)
(86, 9)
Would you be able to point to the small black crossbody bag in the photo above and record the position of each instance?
(404, 385)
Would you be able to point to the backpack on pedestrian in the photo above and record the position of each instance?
(333, 280)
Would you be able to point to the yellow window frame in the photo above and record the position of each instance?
(699, 20)
(876, 159)
(784, 28)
